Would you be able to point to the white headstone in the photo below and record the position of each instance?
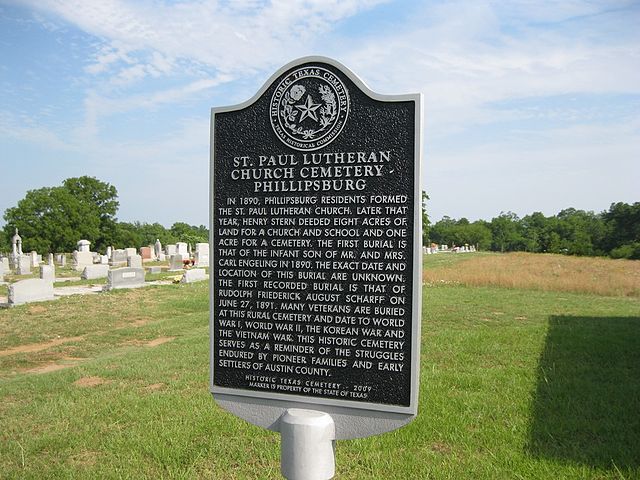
(30, 290)
(84, 246)
(182, 249)
(91, 272)
(34, 259)
(125, 277)
(134, 261)
(48, 273)
(175, 263)
(194, 275)
(171, 250)
(82, 259)
(23, 265)
(131, 251)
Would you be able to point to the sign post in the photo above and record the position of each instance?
(315, 236)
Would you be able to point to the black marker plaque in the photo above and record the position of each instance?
(314, 241)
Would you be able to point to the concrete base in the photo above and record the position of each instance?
(307, 445)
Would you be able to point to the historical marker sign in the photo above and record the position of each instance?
(316, 250)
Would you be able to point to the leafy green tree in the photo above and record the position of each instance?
(425, 220)
(53, 219)
(622, 224)
(506, 233)
(102, 198)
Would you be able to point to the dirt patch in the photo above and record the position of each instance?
(155, 387)
(440, 448)
(49, 367)
(85, 382)
(37, 309)
(85, 458)
(159, 341)
(38, 347)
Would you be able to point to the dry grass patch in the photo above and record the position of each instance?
(599, 276)
(85, 382)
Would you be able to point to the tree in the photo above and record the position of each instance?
(425, 219)
(53, 219)
(506, 232)
(622, 225)
(103, 199)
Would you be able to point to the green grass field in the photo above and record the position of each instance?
(516, 383)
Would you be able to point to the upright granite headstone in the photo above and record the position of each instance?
(93, 272)
(50, 260)
(30, 290)
(2, 271)
(171, 250)
(316, 251)
(182, 249)
(118, 258)
(5, 263)
(48, 273)
(134, 261)
(146, 253)
(175, 263)
(202, 255)
(23, 265)
(34, 259)
(194, 275)
(125, 277)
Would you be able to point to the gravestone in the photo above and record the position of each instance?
(82, 259)
(175, 263)
(316, 256)
(125, 277)
(118, 258)
(30, 290)
(131, 251)
(5, 264)
(202, 255)
(134, 261)
(182, 249)
(50, 260)
(154, 269)
(2, 271)
(146, 253)
(194, 275)
(93, 272)
(171, 250)
(48, 273)
(23, 265)
(157, 250)
(34, 259)
(83, 246)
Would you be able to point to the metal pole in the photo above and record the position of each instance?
(307, 445)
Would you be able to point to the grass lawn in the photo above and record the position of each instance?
(516, 382)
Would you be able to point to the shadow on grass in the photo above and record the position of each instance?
(587, 405)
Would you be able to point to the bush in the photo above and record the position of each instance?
(630, 251)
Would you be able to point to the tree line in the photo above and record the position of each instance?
(53, 219)
(614, 233)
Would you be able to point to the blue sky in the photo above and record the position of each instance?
(528, 105)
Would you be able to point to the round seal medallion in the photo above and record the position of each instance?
(309, 108)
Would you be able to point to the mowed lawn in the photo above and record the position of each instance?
(518, 381)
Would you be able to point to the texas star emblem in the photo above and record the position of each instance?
(309, 108)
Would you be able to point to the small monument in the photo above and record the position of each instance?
(157, 249)
(83, 256)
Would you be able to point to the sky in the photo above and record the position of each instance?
(529, 105)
